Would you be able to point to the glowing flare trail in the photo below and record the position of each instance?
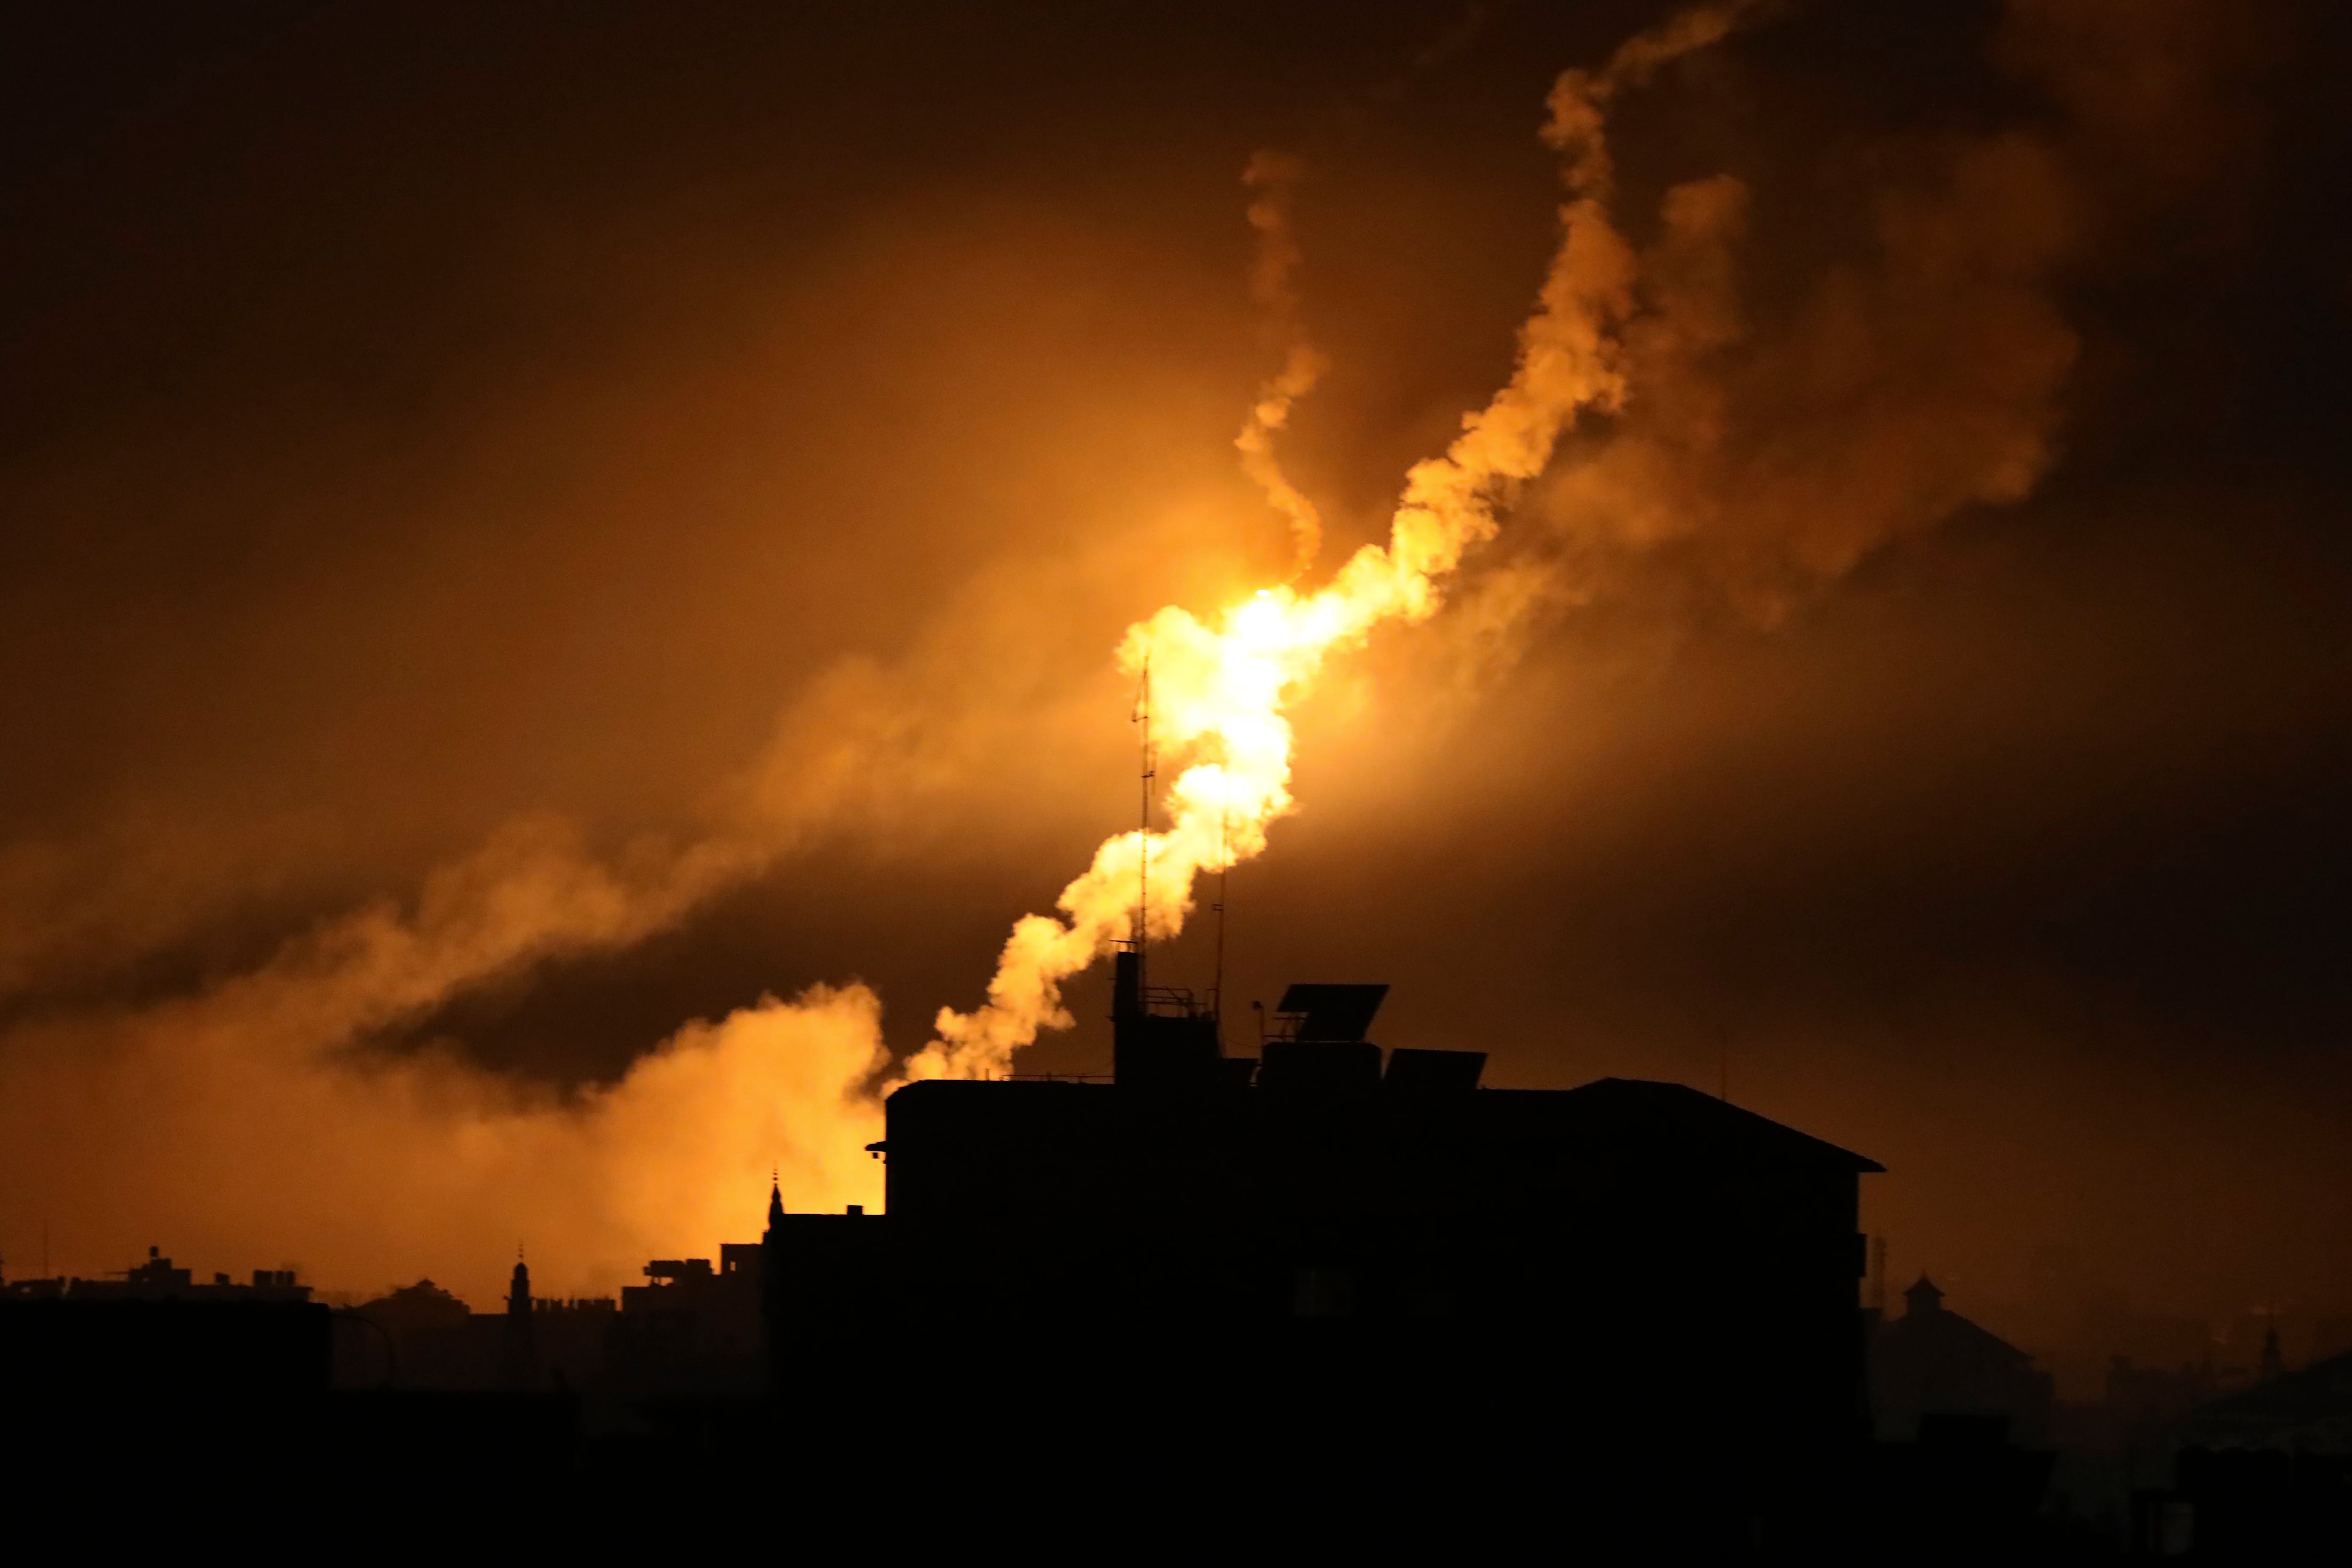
(1221, 687)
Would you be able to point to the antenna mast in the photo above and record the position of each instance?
(1142, 716)
(1224, 870)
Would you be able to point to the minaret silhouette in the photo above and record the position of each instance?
(772, 1288)
(519, 1365)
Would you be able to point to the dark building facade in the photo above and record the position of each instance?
(1335, 1245)
(691, 1329)
(106, 1371)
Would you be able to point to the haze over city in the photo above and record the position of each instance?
(568, 572)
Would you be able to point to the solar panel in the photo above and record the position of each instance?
(1333, 1012)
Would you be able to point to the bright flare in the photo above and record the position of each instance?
(1221, 690)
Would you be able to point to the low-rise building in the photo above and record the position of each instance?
(1932, 1361)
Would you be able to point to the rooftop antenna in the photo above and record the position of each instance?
(1224, 870)
(1142, 715)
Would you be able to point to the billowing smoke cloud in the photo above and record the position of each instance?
(259, 1099)
(1750, 459)
(259, 1111)
(1652, 417)
(1777, 459)
(393, 1166)
(1221, 690)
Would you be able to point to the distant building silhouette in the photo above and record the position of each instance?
(421, 1336)
(2265, 1473)
(518, 1347)
(1934, 1361)
(98, 1358)
(2306, 1411)
(422, 1305)
(692, 1329)
(159, 1279)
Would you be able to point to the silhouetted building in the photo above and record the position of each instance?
(417, 1336)
(2265, 1473)
(418, 1305)
(572, 1338)
(1934, 1361)
(692, 1329)
(2308, 1410)
(421, 1337)
(158, 1280)
(831, 1282)
(518, 1346)
(92, 1360)
(1333, 1247)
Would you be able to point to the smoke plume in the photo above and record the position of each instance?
(1654, 416)
(268, 1099)
(431, 1159)
(1221, 690)
(1768, 457)
(1272, 177)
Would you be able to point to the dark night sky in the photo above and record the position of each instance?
(423, 420)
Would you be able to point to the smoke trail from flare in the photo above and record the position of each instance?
(1222, 687)
(1273, 176)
